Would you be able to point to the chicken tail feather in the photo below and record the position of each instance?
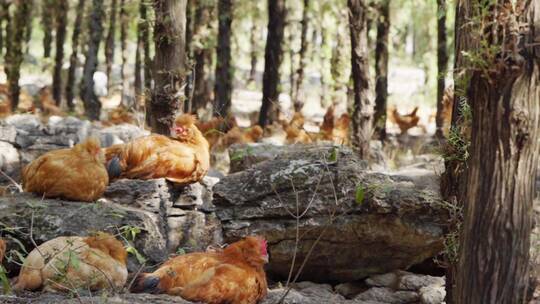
(114, 169)
(146, 283)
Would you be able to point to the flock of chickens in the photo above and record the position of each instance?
(234, 274)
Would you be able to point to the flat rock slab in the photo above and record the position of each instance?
(362, 222)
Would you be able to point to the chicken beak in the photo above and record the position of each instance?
(265, 258)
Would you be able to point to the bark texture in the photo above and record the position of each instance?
(298, 98)
(124, 20)
(442, 64)
(92, 104)
(273, 56)
(47, 23)
(505, 101)
(109, 43)
(224, 69)
(381, 69)
(169, 64)
(14, 53)
(61, 29)
(73, 62)
(202, 53)
(362, 108)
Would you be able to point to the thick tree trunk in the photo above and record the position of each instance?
(505, 101)
(92, 104)
(273, 56)
(14, 54)
(454, 178)
(109, 43)
(362, 109)
(170, 64)
(47, 23)
(442, 64)
(61, 28)
(70, 85)
(224, 69)
(202, 55)
(298, 98)
(124, 23)
(381, 69)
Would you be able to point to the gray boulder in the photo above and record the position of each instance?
(365, 222)
(127, 205)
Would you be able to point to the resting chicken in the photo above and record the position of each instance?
(182, 159)
(234, 275)
(77, 174)
(67, 263)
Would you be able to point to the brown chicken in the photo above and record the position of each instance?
(239, 136)
(77, 174)
(405, 122)
(182, 159)
(327, 126)
(121, 115)
(340, 133)
(214, 129)
(295, 130)
(234, 275)
(73, 262)
(47, 103)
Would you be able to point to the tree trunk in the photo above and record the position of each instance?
(273, 56)
(4, 19)
(202, 55)
(381, 69)
(291, 33)
(224, 70)
(109, 43)
(442, 64)
(298, 98)
(142, 54)
(28, 32)
(70, 85)
(454, 178)
(14, 54)
(170, 64)
(92, 105)
(254, 43)
(505, 101)
(47, 22)
(505, 150)
(145, 29)
(124, 23)
(362, 109)
(61, 27)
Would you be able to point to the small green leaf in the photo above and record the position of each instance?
(4, 280)
(135, 252)
(180, 251)
(360, 193)
(333, 155)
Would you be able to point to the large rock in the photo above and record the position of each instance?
(245, 156)
(150, 206)
(366, 222)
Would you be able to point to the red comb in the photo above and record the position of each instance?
(264, 246)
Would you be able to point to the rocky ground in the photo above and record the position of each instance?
(360, 225)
